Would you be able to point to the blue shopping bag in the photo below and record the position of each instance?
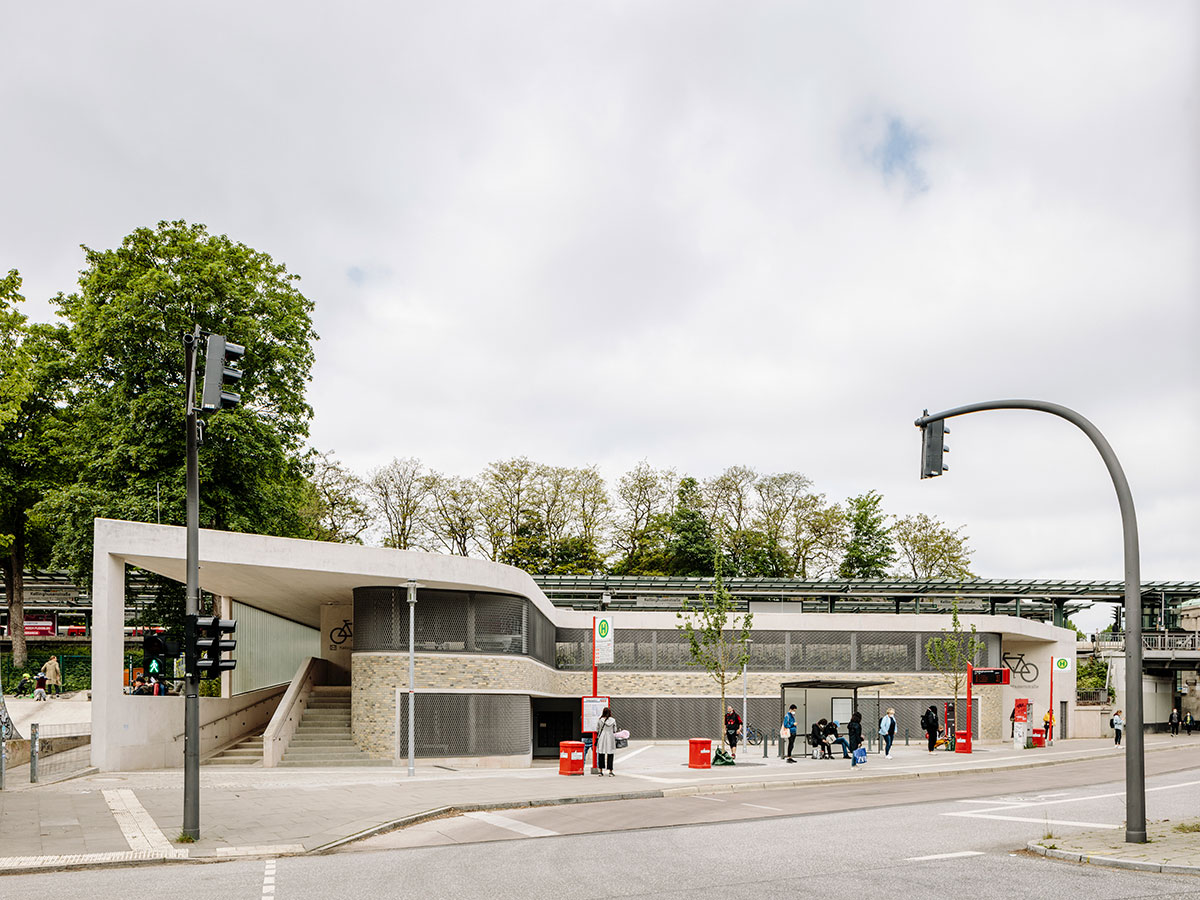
(860, 757)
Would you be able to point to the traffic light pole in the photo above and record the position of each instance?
(1135, 761)
(191, 702)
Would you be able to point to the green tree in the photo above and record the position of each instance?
(817, 537)
(126, 323)
(928, 549)
(869, 549)
(35, 417)
(718, 637)
(689, 547)
(951, 652)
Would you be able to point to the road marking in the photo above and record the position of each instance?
(709, 799)
(140, 830)
(511, 824)
(756, 806)
(655, 778)
(982, 815)
(633, 753)
(268, 889)
(959, 855)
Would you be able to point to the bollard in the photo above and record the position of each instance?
(766, 740)
(905, 737)
(3, 760)
(33, 752)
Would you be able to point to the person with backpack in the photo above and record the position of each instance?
(733, 728)
(929, 722)
(1117, 724)
(854, 737)
(887, 732)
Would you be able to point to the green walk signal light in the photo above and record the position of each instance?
(933, 448)
(158, 655)
(220, 369)
(212, 637)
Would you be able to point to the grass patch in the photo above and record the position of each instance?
(185, 839)
(1188, 827)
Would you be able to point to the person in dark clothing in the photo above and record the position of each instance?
(929, 722)
(832, 737)
(733, 727)
(1173, 721)
(816, 737)
(789, 728)
(854, 731)
(1189, 723)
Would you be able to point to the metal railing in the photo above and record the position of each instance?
(59, 750)
(1092, 697)
(1153, 640)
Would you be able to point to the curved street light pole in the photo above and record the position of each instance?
(1135, 768)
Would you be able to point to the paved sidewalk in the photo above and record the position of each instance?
(1168, 848)
(122, 818)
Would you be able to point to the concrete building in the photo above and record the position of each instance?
(500, 668)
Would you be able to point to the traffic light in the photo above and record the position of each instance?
(220, 370)
(933, 446)
(209, 641)
(154, 657)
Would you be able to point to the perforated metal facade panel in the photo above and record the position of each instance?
(452, 622)
(468, 725)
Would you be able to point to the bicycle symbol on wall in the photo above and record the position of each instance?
(1025, 670)
(341, 634)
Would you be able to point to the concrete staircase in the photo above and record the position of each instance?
(246, 752)
(323, 736)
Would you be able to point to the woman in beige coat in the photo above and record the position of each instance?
(53, 676)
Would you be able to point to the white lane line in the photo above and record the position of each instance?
(268, 888)
(655, 778)
(980, 815)
(136, 824)
(709, 799)
(959, 855)
(511, 824)
(633, 753)
(756, 806)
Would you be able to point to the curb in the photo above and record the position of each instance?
(1111, 861)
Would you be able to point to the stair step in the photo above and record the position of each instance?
(339, 763)
(226, 761)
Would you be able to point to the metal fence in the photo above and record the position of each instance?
(59, 750)
(449, 725)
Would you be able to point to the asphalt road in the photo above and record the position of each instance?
(935, 837)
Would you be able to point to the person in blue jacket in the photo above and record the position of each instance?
(789, 723)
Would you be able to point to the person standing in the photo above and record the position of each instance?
(929, 722)
(53, 676)
(1188, 723)
(1048, 726)
(789, 725)
(1118, 725)
(854, 733)
(1173, 720)
(606, 741)
(733, 728)
(887, 731)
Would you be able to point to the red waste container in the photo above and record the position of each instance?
(1039, 737)
(570, 758)
(962, 742)
(699, 753)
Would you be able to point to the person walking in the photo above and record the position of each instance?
(733, 728)
(1189, 723)
(789, 726)
(929, 721)
(854, 735)
(1173, 720)
(606, 741)
(887, 731)
(53, 676)
(1118, 725)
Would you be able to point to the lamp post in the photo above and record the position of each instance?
(1135, 766)
(412, 674)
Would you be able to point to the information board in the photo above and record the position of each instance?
(592, 708)
(602, 638)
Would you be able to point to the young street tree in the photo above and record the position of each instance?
(869, 549)
(951, 652)
(715, 643)
(928, 549)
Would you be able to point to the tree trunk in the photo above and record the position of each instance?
(14, 589)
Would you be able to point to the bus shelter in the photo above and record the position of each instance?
(833, 699)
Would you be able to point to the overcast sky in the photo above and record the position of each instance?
(699, 234)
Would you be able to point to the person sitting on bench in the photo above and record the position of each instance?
(832, 737)
(816, 740)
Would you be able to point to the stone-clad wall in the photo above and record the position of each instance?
(376, 676)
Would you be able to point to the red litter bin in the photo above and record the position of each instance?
(962, 742)
(699, 753)
(1039, 737)
(570, 758)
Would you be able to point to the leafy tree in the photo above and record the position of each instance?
(869, 549)
(779, 496)
(928, 549)
(952, 652)
(715, 643)
(454, 518)
(817, 535)
(34, 420)
(337, 509)
(643, 501)
(400, 492)
(126, 324)
(690, 546)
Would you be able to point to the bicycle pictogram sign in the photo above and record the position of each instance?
(342, 633)
(1022, 668)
